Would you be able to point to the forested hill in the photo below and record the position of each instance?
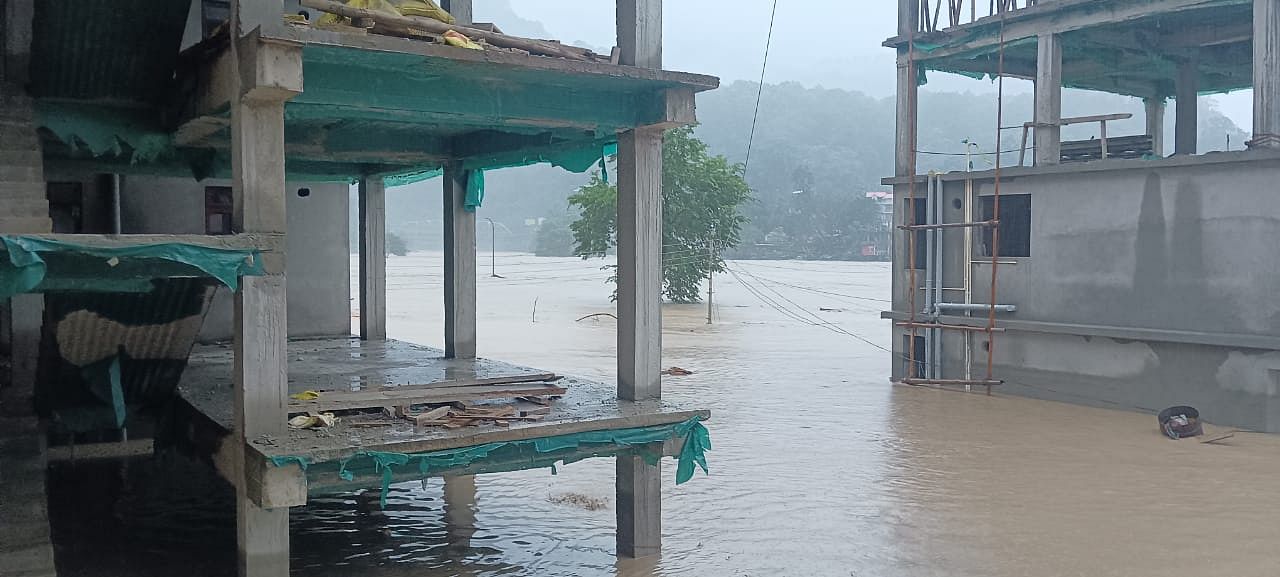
(816, 153)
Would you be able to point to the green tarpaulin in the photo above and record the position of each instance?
(535, 453)
(36, 264)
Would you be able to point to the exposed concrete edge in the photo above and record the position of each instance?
(1116, 165)
(1232, 340)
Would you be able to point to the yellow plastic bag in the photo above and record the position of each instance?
(424, 8)
(453, 38)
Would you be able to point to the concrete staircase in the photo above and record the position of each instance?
(26, 549)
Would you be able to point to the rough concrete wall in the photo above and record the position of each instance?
(1189, 248)
(319, 282)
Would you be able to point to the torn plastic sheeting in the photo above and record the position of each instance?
(26, 269)
(475, 190)
(106, 132)
(692, 454)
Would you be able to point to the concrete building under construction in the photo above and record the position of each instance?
(166, 167)
(1123, 271)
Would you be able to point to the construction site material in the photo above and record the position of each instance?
(408, 25)
(1179, 422)
(346, 401)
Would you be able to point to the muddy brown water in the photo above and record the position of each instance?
(820, 466)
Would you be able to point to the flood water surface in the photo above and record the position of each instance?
(820, 466)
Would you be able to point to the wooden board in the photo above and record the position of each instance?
(511, 380)
(394, 397)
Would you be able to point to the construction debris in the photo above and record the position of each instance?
(399, 22)
(677, 372)
(313, 421)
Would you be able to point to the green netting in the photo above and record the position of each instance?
(534, 453)
(38, 264)
(475, 190)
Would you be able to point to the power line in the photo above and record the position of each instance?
(764, 66)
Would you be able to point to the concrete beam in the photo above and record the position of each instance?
(1054, 17)
(373, 259)
(1048, 100)
(459, 268)
(1266, 74)
(1155, 111)
(1186, 124)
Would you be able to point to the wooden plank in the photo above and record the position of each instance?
(511, 380)
(392, 397)
(373, 259)
(459, 268)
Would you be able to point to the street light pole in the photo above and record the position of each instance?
(493, 249)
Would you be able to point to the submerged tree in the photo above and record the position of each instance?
(701, 200)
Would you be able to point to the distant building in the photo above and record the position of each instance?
(879, 242)
(1123, 277)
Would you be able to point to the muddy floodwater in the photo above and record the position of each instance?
(820, 466)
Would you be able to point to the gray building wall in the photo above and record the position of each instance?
(1149, 284)
(318, 265)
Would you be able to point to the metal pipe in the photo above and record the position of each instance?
(115, 205)
(938, 268)
(977, 307)
(968, 255)
(929, 265)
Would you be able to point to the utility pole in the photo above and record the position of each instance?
(711, 271)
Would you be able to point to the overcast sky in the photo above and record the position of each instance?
(830, 43)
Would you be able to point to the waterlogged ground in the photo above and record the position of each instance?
(820, 466)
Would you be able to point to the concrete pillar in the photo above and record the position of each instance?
(1186, 122)
(1266, 74)
(460, 10)
(16, 18)
(1155, 108)
(268, 75)
(1048, 106)
(459, 268)
(639, 226)
(907, 95)
(460, 510)
(373, 259)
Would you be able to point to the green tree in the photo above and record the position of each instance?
(396, 244)
(701, 200)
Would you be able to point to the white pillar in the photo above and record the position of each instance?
(373, 259)
(1266, 74)
(1186, 122)
(1048, 106)
(269, 74)
(459, 268)
(639, 489)
(1155, 109)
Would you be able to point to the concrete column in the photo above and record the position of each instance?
(268, 75)
(460, 10)
(1266, 74)
(460, 510)
(640, 264)
(373, 259)
(1048, 111)
(1155, 123)
(907, 95)
(459, 268)
(1186, 122)
(639, 226)
(16, 18)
